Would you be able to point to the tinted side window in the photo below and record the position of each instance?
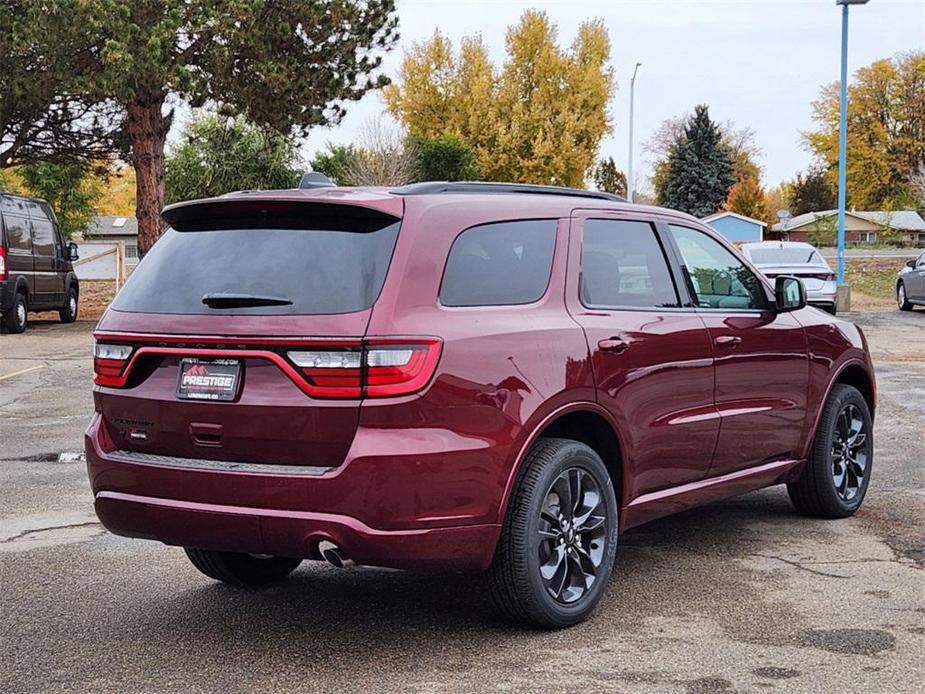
(718, 279)
(43, 237)
(13, 205)
(17, 233)
(499, 264)
(622, 264)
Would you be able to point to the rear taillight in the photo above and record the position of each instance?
(2, 263)
(109, 362)
(374, 368)
(334, 372)
(824, 276)
(398, 367)
(377, 368)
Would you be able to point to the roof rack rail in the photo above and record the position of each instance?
(436, 187)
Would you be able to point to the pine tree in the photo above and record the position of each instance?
(286, 65)
(608, 178)
(700, 168)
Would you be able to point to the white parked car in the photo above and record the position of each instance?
(801, 260)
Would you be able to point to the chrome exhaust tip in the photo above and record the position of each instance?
(334, 555)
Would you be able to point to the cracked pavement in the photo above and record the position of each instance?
(742, 595)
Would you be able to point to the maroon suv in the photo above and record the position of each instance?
(478, 377)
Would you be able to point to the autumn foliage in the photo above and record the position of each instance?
(886, 131)
(538, 118)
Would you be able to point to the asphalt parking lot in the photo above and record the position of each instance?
(743, 595)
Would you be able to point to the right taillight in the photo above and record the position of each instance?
(399, 367)
(109, 362)
(377, 368)
(3, 273)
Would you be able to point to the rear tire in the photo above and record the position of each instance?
(836, 476)
(553, 560)
(16, 318)
(901, 299)
(68, 312)
(241, 570)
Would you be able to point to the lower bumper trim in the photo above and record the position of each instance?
(289, 533)
(216, 465)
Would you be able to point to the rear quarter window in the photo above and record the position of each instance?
(18, 237)
(499, 264)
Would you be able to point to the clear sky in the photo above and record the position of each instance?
(759, 64)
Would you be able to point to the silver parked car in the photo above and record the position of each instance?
(910, 285)
(801, 260)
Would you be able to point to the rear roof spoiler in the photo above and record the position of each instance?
(277, 211)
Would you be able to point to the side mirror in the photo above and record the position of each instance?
(72, 251)
(910, 263)
(789, 294)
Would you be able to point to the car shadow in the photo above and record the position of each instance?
(52, 323)
(361, 612)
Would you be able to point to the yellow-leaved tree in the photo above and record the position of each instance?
(538, 118)
(886, 131)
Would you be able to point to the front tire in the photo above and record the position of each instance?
(68, 312)
(241, 570)
(901, 299)
(836, 476)
(17, 317)
(557, 547)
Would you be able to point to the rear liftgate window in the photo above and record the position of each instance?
(299, 259)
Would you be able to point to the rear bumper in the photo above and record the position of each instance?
(286, 514)
(826, 305)
(824, 296)
(293, 533)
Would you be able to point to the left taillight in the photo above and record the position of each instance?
(109, 362)
(3, 273)
(376, 368)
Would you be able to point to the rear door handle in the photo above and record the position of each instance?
(730, 341)
(613, 344)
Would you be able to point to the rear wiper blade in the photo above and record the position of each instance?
(222, 300)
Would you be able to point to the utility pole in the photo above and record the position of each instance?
(630, 183)
(844, 293)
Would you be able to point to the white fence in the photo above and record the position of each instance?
(102, 261)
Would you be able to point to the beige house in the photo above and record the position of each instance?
(902, 227)
(110, 229)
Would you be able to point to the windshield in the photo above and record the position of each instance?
(257, 271)
(785, 256)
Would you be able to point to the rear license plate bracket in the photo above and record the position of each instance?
(209, 379)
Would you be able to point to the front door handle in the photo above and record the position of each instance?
(730, 341)
(613, 344)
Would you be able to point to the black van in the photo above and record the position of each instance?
(35, 264)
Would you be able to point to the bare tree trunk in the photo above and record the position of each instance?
(147, 130)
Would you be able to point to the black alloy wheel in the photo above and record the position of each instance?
(571, 535)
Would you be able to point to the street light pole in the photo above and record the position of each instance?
(843, 146)
(629, 169)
